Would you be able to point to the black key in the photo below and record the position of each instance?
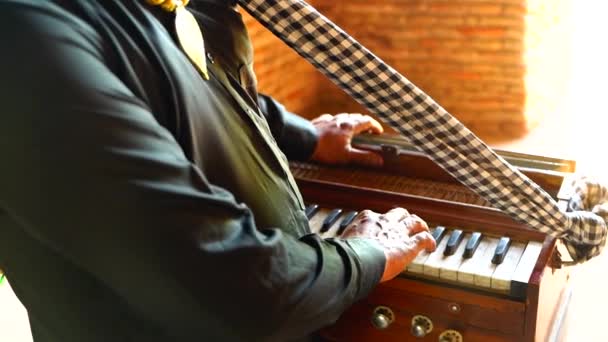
(453, 242)
(311, 210)
(501, 250)
(438, 234)
(472, 245)
(346, 220)
(330, 219)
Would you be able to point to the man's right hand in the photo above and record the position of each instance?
(401, 235)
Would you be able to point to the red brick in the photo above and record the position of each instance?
(482, 31)
(469, 55)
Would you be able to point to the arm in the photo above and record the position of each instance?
(90, 174)
(296, 136)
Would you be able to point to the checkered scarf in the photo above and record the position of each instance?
(431, 128)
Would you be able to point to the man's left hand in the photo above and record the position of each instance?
(335, 135)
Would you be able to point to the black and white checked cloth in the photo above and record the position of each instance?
(422, 121)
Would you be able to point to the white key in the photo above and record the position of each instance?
(501, 279)
(317, 221)
(468, 268)
(417, 265)
(434, 261)
(451, 264)
(483, 274)
(527, 262)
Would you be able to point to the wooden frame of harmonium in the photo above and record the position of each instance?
(490, 279)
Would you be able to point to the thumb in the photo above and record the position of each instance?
(363, 157)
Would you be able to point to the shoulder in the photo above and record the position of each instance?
(48, 20)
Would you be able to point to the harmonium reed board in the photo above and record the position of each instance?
(490, 279)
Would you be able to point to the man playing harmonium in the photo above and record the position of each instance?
(145, 193)
(145, 197)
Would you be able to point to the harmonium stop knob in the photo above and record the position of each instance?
(382, 317)
(451, 336)
(421, 326)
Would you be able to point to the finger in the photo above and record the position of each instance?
(322, 118)
(363, 225)
(343, 115)
(365, 217)
(396, 214)
(424, 241)
(376, 126)
(347, 121)
(364, 214)
(363, 157)
(415, 224)
(367, 123)
(345, 124)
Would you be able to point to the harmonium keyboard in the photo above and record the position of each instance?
(490, 278)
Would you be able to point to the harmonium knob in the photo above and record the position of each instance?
(421, 326)
(382, 317)
(451, 336)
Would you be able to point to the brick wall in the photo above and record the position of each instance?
(498, 65)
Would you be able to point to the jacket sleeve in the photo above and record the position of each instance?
(89, 173)
(295, 135)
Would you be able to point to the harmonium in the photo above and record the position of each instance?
(490, 278)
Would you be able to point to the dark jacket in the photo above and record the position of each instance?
(139, 202)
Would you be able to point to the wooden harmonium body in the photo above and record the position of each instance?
(490, 278)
